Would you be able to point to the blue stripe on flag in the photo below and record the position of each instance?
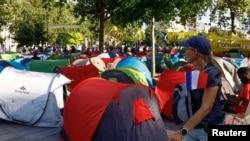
(189, 80)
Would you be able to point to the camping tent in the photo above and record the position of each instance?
(135, 63)
(17, 65)
(10, 56)
(32, 98)
(113, 112)
(125, 74)
(77, 73)
(225, 44)
(161, 64)
(98, 63)
(47, 65)
(230, 80)
(3, 64)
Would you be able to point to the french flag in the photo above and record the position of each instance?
(196, 80)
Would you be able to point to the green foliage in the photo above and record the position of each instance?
(236, 8)
(4, 12)
(29, 20)
(122, 12)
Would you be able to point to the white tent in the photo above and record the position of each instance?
(32, 98)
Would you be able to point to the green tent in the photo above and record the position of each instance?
(125, 74)
(71, 56)
(55, 57)
(10, 56)
(47, 65)
(161, 62)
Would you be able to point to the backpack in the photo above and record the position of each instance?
(181, 104)
(181, 99)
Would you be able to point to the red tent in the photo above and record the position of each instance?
(77, 73)
(101, 110)
(164, 89)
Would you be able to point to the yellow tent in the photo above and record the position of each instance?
(225, 44)
(178, 36)
(218, 43)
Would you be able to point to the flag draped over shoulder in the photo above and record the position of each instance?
(169, 79)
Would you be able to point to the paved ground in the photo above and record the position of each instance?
(15, 132)
(170, 127)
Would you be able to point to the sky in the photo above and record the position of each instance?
(205, 19)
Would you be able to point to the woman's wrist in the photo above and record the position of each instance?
(183, 131)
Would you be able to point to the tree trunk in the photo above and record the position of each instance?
(232, 13)
(101, 32)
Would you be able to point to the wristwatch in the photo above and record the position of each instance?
(184, 131)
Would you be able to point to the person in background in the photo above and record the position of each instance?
(238, 104)
(72, 49)
(206, 105)
(35, 56)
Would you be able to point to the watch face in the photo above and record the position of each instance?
(183, 131)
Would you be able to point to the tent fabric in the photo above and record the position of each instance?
(23, 61)
(98, 63)
(3, 64)
(17, 65)
(80, 62)
(238, 62)
(10, 56)
(135, 74)
(141, 112)
(106, 113)
(116, 75)
(135, 63)
(77, 73)
(47, 65)
(164, 89)
(159, 62)
(108, 60)
(125, 74)
(55, 57)
(113, 64)
(32, 100)
(231, 82)
(179, 64)
(103, 55)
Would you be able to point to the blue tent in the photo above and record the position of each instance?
(137, 64)
(17, 65)
(3, 64)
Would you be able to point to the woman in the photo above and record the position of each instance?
(207, 108)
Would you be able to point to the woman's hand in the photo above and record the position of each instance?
(176, 136)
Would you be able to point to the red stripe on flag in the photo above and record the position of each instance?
(202, 80)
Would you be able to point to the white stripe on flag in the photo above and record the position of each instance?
(195, 78)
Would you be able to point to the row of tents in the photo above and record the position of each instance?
(97, 98)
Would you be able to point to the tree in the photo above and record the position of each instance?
(142, 11)
(4, 12)
(94, 10)
(122, 12)
(28, 22)
(30, 19)
(235, 8)
(149, 11)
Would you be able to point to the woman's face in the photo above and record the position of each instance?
(190, 54)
